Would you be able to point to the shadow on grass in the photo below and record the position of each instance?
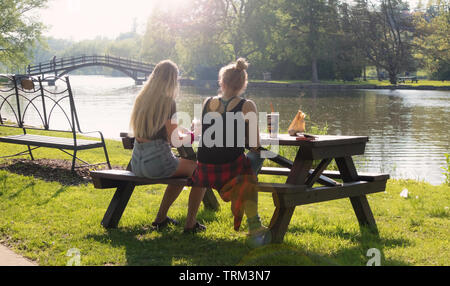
(169, 246)
(172, 247)
(207, 215)
(364, 236)
(24, 188)
(50, 170)
(366, 239)
(55, 195)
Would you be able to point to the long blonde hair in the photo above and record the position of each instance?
(154, 103)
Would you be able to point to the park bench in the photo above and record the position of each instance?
(299, 188)
(26, 105)
(403, 79)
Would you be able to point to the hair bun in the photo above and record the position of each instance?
(241, 64)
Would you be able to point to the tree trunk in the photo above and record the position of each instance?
(315, 75)
(378, 73)
(365, 74)
(393, 77)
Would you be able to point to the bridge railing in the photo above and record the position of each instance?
(68, 62)
(73, 61)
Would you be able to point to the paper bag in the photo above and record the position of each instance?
(298, 124)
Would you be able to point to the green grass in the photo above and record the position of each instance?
(43, 220)
(446, 169)
(434, 83)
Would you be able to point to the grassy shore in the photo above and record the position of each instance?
(433, 83)
(43, 219)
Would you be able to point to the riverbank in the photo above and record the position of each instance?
(322, 85)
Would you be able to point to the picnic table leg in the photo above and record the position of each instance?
(282, 215)
(359, 203)
(210, 200)
(118, 204)
(299, 171)
(280, 220)
(363, 212)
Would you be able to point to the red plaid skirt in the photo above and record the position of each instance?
(235, 182)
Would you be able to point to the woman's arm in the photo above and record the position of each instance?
(177, 134)
(250, 107)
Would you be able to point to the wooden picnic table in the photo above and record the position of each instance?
(301, 178)
(300, 187)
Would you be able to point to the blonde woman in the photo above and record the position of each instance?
(152, 126)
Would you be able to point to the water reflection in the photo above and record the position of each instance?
(408, 130)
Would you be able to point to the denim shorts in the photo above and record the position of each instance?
(153, 160)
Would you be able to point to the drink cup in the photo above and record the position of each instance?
(196, 127)
(273, 122)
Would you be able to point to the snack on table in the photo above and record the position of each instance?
(298, 124)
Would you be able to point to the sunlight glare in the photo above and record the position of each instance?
(86, 19)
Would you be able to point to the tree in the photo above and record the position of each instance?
(349, 60)
(159, 40)
(200, 46)
(19, 30)
(433, 40)
(247, 25)
(384, 34)
(125, 46)
(206, 34)
(312, 27)
(229, 29)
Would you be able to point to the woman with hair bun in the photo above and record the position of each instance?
(222, 162)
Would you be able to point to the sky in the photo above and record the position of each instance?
(86, 19)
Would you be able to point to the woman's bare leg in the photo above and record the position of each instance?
(185, 169)
(170, 195)
(195, 198)
(251, 205)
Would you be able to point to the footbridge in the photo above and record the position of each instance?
(57, 67)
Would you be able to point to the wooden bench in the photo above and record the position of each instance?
(370, 177)
(21, 98)
(125, 182)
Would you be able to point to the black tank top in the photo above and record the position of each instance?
(229, 152)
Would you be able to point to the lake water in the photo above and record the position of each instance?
(408, 129)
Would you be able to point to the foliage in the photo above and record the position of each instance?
(211, 34)
(19, 30)
(293, 39)
(301, 39)
(313, 27)
(432, 39)
(383, 33)
(447, 169)
(123, 46)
